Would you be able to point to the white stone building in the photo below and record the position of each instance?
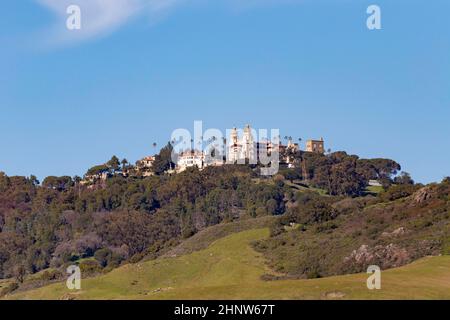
(193, 158)
(145, 165)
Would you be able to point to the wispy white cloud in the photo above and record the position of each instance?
(102, 17)
(99, 17)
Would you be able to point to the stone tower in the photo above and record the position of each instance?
(315, 146)
(234, 147)
(248, 144)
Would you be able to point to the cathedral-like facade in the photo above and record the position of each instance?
(244, 149)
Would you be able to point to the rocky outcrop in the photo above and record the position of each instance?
(396, 233)
(389, 256)
(422, 195)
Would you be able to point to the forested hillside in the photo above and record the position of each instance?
(324, 236)
(107, 223)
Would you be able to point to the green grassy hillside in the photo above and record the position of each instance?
(230, 269)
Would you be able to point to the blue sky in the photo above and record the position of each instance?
(310, 68)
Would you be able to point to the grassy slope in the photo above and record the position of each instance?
(4, 283)
(230, 269)
(206, 237)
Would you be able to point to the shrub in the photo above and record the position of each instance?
(446, 246)
(261, 212)
(9, 289)
(398, 192)
(276, 229)
(327, 226)
(89, 266)
(50, 274)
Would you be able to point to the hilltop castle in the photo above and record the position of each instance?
(235, 150)
(245, 149)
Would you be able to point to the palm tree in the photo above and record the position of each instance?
(302, 162)
(224, 149)
(124, 163)
(77, 180)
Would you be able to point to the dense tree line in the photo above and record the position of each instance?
(62, 221)
(125, 218)
(341, 174)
